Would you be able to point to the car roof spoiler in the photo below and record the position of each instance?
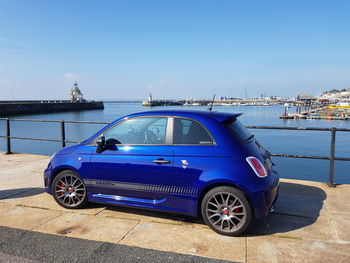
(231, 118)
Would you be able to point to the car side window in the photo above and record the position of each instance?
(141, 130)
(187, 131)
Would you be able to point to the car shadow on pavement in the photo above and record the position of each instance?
(150, 215)
(22, 192)
(297, 206)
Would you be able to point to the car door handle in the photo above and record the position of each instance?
(161, 161)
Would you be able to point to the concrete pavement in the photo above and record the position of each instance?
(34, 247)
(311, 222)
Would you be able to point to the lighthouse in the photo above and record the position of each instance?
(75, 94)
(149, 102)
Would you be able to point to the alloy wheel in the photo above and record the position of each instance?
(69, 190)
(225, 211)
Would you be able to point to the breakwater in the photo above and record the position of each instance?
(8, 108)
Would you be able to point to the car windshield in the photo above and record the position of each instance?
(237, 128)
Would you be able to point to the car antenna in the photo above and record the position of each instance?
(211, 105)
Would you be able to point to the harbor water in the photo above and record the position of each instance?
(276, 141)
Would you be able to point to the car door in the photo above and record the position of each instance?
(193, 152)
(134, 170)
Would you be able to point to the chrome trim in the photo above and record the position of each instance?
(253, 168)
(169, 139)
(130, 199)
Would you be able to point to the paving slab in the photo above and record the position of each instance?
(294, 226)
(341, 225)
(39, 198)
(286, 249)
(337, 199)
(20, 178)
(200, 241)
(149, 216)
(15, 160)
(301, 198)
(20, 172)
(310, 222)
(88, 227)
(25, 217)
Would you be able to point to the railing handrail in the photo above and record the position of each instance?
(248, 127)
(297, 128)
(40, 120)
(332, 158)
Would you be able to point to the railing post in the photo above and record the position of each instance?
(63, 134)
(331, 165)
(8, 136)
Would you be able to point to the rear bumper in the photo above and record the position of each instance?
(264, 200)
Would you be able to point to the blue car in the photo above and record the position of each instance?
(189, 162)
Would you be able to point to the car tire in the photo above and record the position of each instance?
(226, 210)
(69, 190)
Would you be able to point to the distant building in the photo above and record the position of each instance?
(335, 95)
(306, 98)
(75, 94)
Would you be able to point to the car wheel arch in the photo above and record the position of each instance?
(58, 171)
(209, 187)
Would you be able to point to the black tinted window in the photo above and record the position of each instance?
(190, 132)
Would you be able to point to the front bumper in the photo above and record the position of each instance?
(46, 177)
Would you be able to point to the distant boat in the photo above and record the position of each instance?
(340, 105)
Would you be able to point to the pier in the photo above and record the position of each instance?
(310, 224)
(8, 108)
(316, 111)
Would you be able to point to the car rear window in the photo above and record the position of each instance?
(187, 131)
(237, 128)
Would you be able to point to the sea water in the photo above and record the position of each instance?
(276, 141)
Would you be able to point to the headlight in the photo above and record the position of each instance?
(52, 156)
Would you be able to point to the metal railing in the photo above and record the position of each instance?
(62, 140)
(332, 158)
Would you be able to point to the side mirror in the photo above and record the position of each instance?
(101, 143)
(111, 144)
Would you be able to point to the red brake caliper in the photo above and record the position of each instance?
(62, 185)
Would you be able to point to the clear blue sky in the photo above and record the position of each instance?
(125, 49)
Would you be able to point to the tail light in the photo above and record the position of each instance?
(257, 166)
